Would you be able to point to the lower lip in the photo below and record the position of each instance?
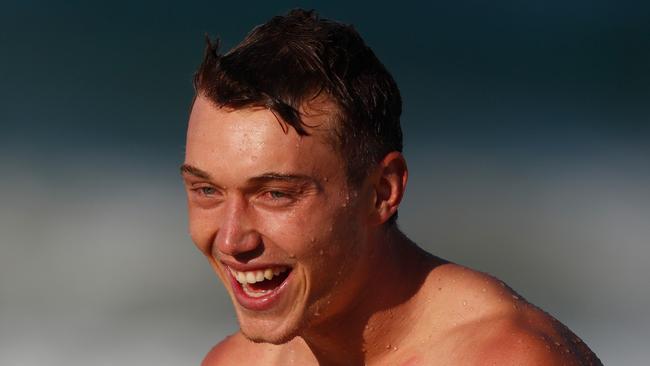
(261, 303)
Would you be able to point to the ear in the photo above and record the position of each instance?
(389, 184)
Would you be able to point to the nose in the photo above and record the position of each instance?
(237, 236)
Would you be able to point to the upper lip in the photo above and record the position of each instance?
(240, 267)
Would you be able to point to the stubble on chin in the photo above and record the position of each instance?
(276, 339)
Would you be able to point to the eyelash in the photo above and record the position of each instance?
(202, 191)
(282, 195)
(271, 197)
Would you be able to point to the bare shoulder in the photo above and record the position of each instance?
(490, 324)
(237, 350)
(519, 345)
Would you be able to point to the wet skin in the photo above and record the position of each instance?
(358, 292)
(259, 197)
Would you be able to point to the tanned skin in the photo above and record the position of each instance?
(360, 292)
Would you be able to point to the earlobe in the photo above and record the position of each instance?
(390, 184)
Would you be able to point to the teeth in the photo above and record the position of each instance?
(257, 276)
(241, 277)
(250, 277)
(268, 273)
(252, 293)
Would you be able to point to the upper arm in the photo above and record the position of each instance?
(506, 351)
(519, 345)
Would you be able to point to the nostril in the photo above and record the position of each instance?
(245, 257)
(243, 249)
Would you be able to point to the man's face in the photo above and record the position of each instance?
(274, 215)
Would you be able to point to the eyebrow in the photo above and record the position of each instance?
(290, 178)
(192, 170)
(260, 179)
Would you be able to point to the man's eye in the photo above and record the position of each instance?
(277, 195)
(206, 191)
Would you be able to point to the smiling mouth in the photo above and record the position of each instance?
(262, 282)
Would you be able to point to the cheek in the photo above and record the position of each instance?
(202, 227)
(297, 231)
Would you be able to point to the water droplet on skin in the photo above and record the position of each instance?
(388, 346)
(321, 252)
(515, 297)
(464, 303)
(395, 348)
(483, 289)
(292, 256)
(326, 179)
(313, 240)
(557, 344)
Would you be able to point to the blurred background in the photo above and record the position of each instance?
(526, 130)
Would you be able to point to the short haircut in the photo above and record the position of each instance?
(291, 60)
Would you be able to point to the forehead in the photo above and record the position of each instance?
(255, 141)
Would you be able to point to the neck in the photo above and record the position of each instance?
(383, 313)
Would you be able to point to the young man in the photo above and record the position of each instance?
(294, 174)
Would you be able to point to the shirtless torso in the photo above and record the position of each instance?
(294, 174)
(467, 318)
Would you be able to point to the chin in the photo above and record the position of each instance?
(277, 330)
(275, 337)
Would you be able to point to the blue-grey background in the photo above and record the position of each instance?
(526, 129)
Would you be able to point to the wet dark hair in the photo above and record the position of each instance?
(291, 60)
